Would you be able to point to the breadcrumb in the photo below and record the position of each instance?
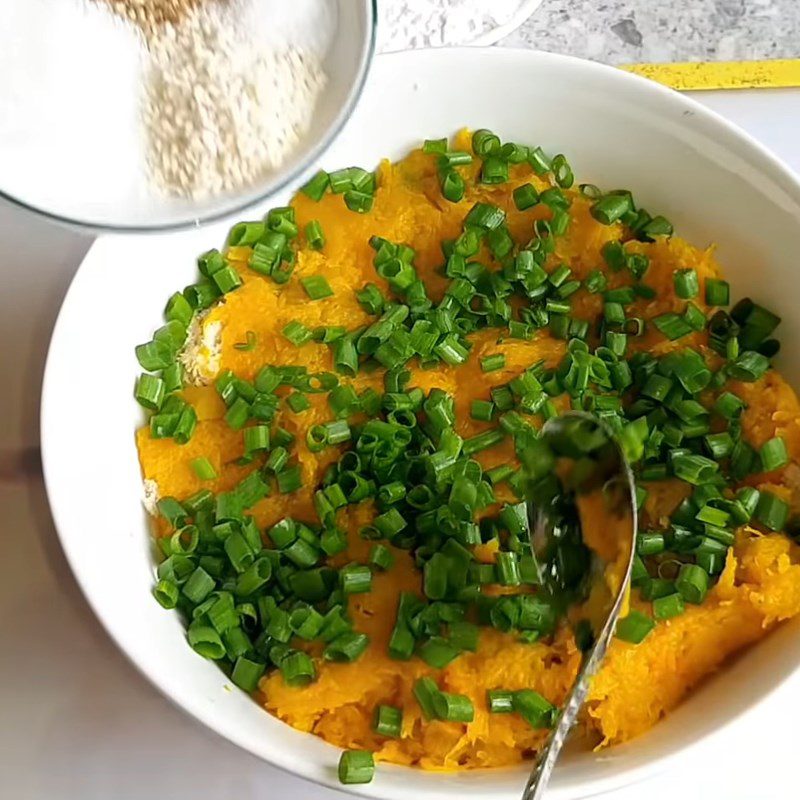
(202, 352)
(150, 496)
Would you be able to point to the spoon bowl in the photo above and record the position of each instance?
(583, 523)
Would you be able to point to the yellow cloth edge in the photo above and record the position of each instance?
(771, 74)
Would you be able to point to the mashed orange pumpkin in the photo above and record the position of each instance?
(638, 684)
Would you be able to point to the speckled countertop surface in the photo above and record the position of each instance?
(634, 31)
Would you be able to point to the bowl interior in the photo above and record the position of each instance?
(618, 131)
(123, 204)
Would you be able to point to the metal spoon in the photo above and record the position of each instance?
(595, 477)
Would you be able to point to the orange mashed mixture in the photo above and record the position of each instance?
(638, 684)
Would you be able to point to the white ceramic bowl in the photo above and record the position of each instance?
(125, 204)
(713, 181)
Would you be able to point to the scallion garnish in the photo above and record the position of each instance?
(316, 287)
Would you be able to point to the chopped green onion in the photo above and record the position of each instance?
(482, 410)
(227, 279)
(614, 255)
(317, 186)
(729, 406)
(345, 356)
(453, 707)
(246, 673)
(317, 288)
(298, 669)
(455, 158)
(500, 473)
(346, 648)
(686, 283)
(485, 143)
(371, 299)
(435, 146)
(204, 640)
(203, 468)
(525, 197)
(172, 511)
(595, 282)
(425, 691)
(650, 543)
(464, 635)
(748, 367)
(539, 162)
(694, 469)
(297, 333)
(298, 402)
(388, 721)
(437, 652)
(774, 454)
(178, 308)
(356, 766)
(692, 583)
(483, 441)
(657, 226)
(199, 586)
(485, 215)
(360, 202)
(493, 362)
(150, 391)
(289, 479)
(562, 172)
(355, 579)
(451, 350)
(718, 292)
(166, 592)
(494, 170)
(453, 186)
(610, 208)
(719, 445)
(771, 511)
(507, 569)
(277, 459)
(333, 541)
(380, 557)
(315, 235)
(254, 577)
(536, 710)
(694, 317)
(635, 627)
(173, 378)
(668, 607)
(673, 326)
(500, 701)
(256, 439)
(624, 295)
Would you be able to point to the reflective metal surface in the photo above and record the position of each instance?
(583, 529)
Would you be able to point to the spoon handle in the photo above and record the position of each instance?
(546, 758)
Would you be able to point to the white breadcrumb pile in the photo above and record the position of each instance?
(202, 352)
(150, 15)
(223, 106)
(150, 496)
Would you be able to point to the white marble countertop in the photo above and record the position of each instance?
(78, 721)
(632, 31)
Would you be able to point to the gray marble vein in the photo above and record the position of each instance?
(629, 31)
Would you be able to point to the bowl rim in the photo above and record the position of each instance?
(53, 471)
(86, 225)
